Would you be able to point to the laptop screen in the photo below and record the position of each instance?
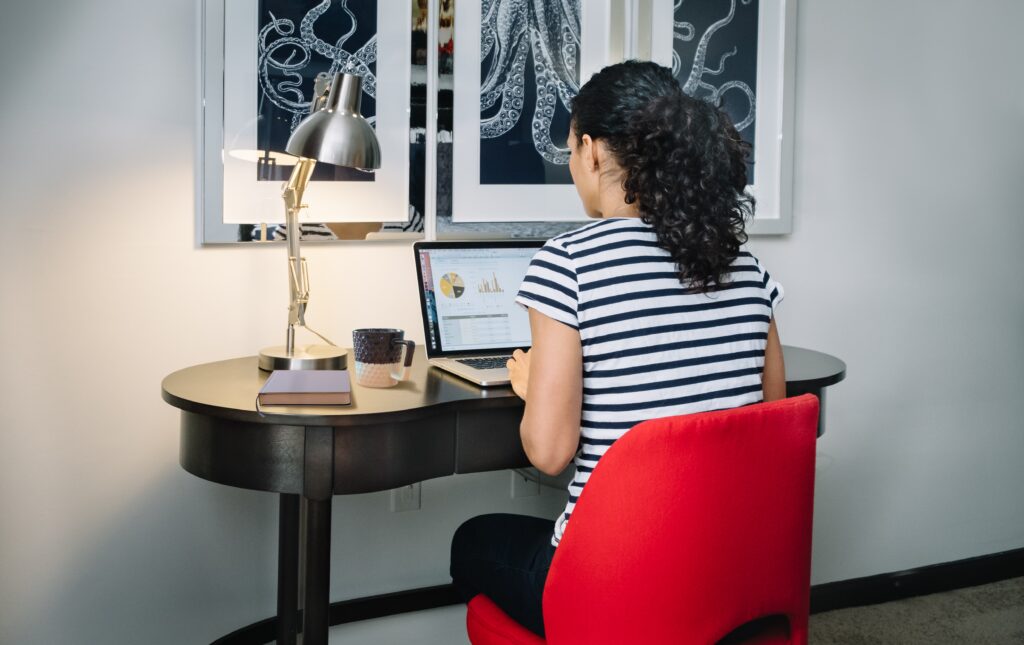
(467, 294)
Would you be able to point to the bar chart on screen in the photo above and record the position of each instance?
(490, 286)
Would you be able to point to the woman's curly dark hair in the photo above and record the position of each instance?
(684, 162)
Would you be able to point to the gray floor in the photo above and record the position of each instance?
(444, 626)
(986, 615)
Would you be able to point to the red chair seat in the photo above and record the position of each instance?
(489, 625)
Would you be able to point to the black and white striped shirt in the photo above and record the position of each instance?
(651, 348)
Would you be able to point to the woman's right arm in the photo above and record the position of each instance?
(773, 379)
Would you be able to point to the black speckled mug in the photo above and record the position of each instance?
(378, 354)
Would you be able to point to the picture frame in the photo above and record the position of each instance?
(231, 195)
(772, 163)
(614, 30)
(474, 200)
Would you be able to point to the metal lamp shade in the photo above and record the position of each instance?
(337, 133)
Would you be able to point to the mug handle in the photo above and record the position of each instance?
(402, 373)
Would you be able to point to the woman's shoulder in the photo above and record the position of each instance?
(745, 258)
(600, 228)
(748, 271)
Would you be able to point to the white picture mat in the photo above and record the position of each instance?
(476, 202)
(772, 187)
(248, 201)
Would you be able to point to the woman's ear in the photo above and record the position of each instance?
(589, 153)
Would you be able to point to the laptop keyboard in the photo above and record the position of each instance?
(488, 363)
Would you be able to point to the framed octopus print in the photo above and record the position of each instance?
(260, 61)
(524, 61)
(518, 64)
(739, 54)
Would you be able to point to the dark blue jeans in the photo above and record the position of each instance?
(505, 557)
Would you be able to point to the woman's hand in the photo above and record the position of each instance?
(519, 372)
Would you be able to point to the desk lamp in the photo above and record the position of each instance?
(334, 132)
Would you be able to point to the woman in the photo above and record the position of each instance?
(652, 311)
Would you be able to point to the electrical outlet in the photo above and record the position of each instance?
(406, 498)
(525, 486)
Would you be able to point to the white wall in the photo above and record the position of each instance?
(904, 262)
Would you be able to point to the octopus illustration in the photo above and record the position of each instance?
(282, 55)
(511, 32)
(697, 81)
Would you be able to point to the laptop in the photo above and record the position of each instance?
(471, 321)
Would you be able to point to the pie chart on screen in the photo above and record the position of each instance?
(452, 285)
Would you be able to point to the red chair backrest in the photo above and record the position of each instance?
(689, 527)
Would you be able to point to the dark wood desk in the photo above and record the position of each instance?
(433, 425)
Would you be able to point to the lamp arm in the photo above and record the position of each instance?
(292, 194)
(321, 90)
(298, 280)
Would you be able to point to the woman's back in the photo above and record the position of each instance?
(651, 346)
(653, 311)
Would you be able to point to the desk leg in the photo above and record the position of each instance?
(288, 570)
(318, 572)
(821, 411)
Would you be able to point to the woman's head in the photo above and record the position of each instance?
(679, 161)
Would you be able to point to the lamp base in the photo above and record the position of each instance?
(305, 357)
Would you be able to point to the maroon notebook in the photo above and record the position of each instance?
(306, 387)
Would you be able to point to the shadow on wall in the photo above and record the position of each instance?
(188, 561)
(133, 584)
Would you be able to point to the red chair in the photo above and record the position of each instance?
(689, 528)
